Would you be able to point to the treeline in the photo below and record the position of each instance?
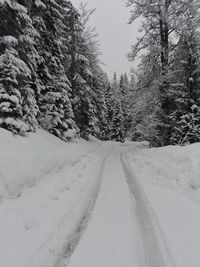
(166, 102)
(122, 112)
(50, 74)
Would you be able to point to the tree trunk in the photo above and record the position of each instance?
(164, 43)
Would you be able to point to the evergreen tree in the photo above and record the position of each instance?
(49, 70)
(185, 96)
(81, 76)
(187, 129)
(126, 103)
(97, 79)
(110, 100)
(15, 73)
(132, 83)
(122, 85)
(115, 85)
(56, 113)
(117, 124)
(184, 90)
(101, 110)
(30, 108)
(162, 22)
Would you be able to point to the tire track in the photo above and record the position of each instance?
(83, 222)
(152, 247)
(56, 253)
(109, 238)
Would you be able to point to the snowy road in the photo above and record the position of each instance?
(58, 249)
(122, 230)
(152, 248)
(95, 204)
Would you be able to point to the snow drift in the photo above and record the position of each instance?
(25, 161)
(172, 166)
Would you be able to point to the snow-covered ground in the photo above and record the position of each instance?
(170, 177)
(24, 162)
(97, 203)
(42, 182)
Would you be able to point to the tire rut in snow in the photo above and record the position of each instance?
(56, 251)
(81, 226)
(153, 250)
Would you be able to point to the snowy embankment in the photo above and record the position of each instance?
(24, 162)
(170, 177)
(45, 186)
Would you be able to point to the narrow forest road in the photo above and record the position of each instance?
(122, 229)
(98, 204)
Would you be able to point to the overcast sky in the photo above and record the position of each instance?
(115, 35)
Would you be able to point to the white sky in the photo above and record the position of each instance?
(115, 35)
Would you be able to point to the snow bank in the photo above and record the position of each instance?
(170, 177)
(44, 186)
(173, 167)
(25, 161)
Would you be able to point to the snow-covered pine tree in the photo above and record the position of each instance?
(81, 76)
(132, 83)
(124, 84)
(185, 77)
(101, 111)
(162, 29)
(185, 103)
(131, 99)
(187, 129)
(56, 113)
(121, 84)
(145, 117)
(147, 129)
(15, 74)
(144, 99)
(98, 80)
(116, 86)
(30, 108)
(125, 95)
(110, 100)
(12, 69)
(27, 50)
(117, 124)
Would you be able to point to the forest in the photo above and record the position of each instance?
(51, 76)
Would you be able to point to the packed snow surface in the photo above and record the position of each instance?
(97, 204)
